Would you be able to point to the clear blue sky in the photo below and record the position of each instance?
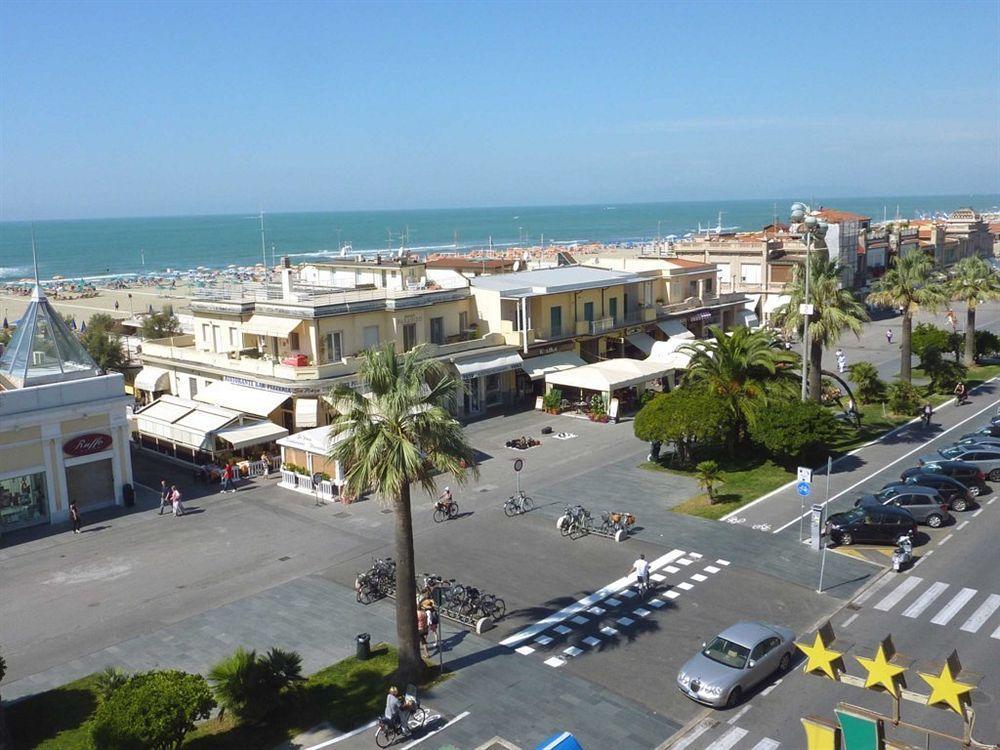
(174, 108)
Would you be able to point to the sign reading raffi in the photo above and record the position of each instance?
(84, 445)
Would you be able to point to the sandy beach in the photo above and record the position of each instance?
(12, 306)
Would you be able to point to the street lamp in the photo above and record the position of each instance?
(812, 226)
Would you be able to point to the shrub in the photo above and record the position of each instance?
(904, 398)
(870, 388)
(709, 475)
(251, 687)
(795, 432)
(944, 373)
(598, 407)
(552, 399)
(685, 416)
(151, 711)
(926, 335)
(987, 344)
(110, 680)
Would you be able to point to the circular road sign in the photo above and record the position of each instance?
(803, 488)
(518, 464)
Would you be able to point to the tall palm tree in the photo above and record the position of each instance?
(834, 311)
(400, 433)
(742, 368)
(910, 284)
(973, 281)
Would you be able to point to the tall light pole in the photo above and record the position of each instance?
(812, 226)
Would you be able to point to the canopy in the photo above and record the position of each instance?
(270, 325)
(773, 301)
(609, 375)
(152, 379)
(642, 341)
(667, 355)
(255, 401)
(539, 367)
(306, 412)
(674, 327)
(252, 433)
(561, 741)
(318, 440)
(753, 301)
(183, 421)
(488, 362)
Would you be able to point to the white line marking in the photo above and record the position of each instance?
(921, 447)
(898, 593)
(672, 569)
(697, 731)
(658, 577)
(352, 733)
(628, 594)
(656, 603)
(726, 741)
(925, 600)
(736, 717)
(641, 612)
(579, 620)
(555, 662)
(562, 629)
(591, 641)
(945, 539)
(871, 590)
(699, 577)
(439, 729)
(572, 651)
(588, 601)
(766, 744)
(766, 691)
(951, 609)
(962, 525)
(996, 633)
(722, 562)
(711, 569)
(685, 585)
(684, 561)
(625, 621)
(850, 619)
(608, 631)
(671, 594)
(597, 610)
(990, 502)
(981, 615)
(524, 650)
(612, 602)
(976, 513)
(695, 555)
(543, 640)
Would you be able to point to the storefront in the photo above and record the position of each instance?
(23, 501)
(488, 376)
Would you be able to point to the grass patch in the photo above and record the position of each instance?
(55, 719)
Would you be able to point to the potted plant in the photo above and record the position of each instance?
(598, 409)
(552, 400)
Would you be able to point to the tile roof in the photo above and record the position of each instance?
(836, 215)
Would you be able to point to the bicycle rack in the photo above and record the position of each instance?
(479, 624)
(618, 535)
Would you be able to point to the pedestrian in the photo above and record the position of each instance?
(841, 360)
(888, 336)
(227, 479)
(266, 462)
(74, 515)
(116, 304)
(422, 629)
(926, 413)
(432, 622)
(164, 496)
(175, 499)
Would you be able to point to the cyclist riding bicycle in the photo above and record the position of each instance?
(444, 500)
(397, 711)
(641, 569)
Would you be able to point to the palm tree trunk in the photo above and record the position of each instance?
(411, 666)
(905, 355)
(815, 371)
(970, 334)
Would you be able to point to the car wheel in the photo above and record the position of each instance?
(846, 538)
(785, 663)
(959, 505)
(995, 475)
(934, 521)
(975, 490)
(735, 697)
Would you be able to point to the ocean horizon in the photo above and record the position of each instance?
(96, 248)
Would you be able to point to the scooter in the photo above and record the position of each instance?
(902, 556)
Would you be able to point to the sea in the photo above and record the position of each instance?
(93, 249)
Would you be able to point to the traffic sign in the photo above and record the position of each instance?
(805, 309)
(518, 464)
(805, 474)
(803, 488)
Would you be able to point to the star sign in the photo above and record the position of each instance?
(821, 656)
(881, 671)
(946, 689)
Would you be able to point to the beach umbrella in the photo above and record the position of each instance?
(72, 323)
(83, 326)
(5, 324)
(150, 309)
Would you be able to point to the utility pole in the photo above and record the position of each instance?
(263, 247)
(805, 327)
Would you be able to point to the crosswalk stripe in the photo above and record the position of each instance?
(996, 633)
(880, 584)
(699, 729)
(925, 600)
(730, 738)
(898, 593)
(766, 744)
(981, 615)
(951, 608)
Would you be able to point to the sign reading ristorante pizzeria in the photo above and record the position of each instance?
(84, 445)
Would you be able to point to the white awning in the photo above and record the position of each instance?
(539, 367)
(773, 301)
(642, 341)
(252, 433)
(747, 318)
(608, 375)
(754, 300)
(152, 379)
(166, 410)
(488, 363)
(306, 412)
(674, 327)
(318, 440)
(666, 354)
(270, 325)
(255, 401)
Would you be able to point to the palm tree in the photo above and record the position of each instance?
(973, 281)
(741, 367)
(399, 433)
(709, 475)
(909, 284)
(834, 311)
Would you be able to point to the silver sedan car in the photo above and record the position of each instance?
(735, 661)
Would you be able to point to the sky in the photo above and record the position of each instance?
(141, 109)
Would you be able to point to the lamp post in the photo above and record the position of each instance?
(812, 226)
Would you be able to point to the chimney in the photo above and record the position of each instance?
(286, 278)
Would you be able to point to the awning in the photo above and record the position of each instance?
(674, 327)
(747, 318)
(754, 300)
(488, 363)
(306, 412)
(153, 379)
(539, 367)
(270, 325)
(561, 741)
(251, 433)
(666, 354)
(255, 401)
(608, 375)
(165, 410)
(773, 301)
(642, 341)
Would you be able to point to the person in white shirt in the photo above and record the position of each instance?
(641, 569)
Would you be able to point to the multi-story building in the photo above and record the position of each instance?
(843, 237)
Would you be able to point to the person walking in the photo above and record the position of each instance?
(266, 462)
(888, 336)
(175, 499)
(432, 622)
(926, 412)
(74, 515)
(164, 496)
(227, 479)
(841, 360)
(423, 628)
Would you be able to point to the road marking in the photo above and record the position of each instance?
(625, 621)
(579, 620)
(945, 539)
(981, 615)
(684, 585)
(730, 738)
(609, 631)
(951, 608)
(671, 594)
(641, 612)
(699, 729)
(925, 600)
(871, 590)
(990, 502)
(543, 640)
(699, 577)
(524, 650)
(898, 593)
(591, 641)
(555, 662)
(656, 603)
(588, 601)
(341, 738)
(766, 691)
(711, 569)
(439, 729)
(726, 562)
(850, 619)
(921, 447)
(962, 525)
(572, 651)
(695, 555)
(736, 717)
(612, 602)
(671, 569)
(977, 512)
(996, 633)
(684, 561)
(562, 629)
(597, 610)
(766, 744)
(658, 577)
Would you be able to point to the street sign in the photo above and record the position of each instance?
(803, 488)
(805, 309)
(805, 474)
(816, 527)
(518, 464)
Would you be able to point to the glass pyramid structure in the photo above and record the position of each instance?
(43, 349)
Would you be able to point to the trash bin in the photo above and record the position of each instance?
(128, 495)
(364, 650)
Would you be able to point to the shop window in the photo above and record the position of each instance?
(22, 501)
(493, 390)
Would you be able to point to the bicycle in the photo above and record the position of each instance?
(613, 521)
(389, 731)
(365, 589)
(517, 504)
(576, 518)
(382, 574)
(445, 511)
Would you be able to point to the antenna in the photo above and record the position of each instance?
(263, 245)
(34, 256)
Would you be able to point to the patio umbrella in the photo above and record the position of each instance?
(72, 323)
(83, 326)
(5, 324)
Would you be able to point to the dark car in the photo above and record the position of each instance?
(923, 503)
(985, 435)
(882, 524)
(957, 495)
(968, 474)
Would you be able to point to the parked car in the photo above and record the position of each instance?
(883, 524)
(969, 475)
(734, 661)
(975, 438)
(923, 503)
(957, 495)
(983, 457)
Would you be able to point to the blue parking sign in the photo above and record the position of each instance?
(803, 488)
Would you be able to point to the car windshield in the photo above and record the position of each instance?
(883, 495)
(953, 452)
(853, 516)
(931, 467)
(726, 652)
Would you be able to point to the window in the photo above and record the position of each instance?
(708, 286)
(369, 337)
(725, 274)
(293, 341)
(409, 336)
(555, 321)
(206, 333)
(750, 273)
(588, 311)
(232, 338)
(216, 339)
(437, 330)
(613, 308)
(692, 288)
(22, 501)
(334, 346)
(193, 387)
(463, 322)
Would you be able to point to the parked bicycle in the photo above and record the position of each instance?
(452, 593)
(575, 519)
(613, 521)
(517, 504)
(365, 589)
(489, 605)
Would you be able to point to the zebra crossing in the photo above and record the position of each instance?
(942, 604)
(613, 610)
(709, 734)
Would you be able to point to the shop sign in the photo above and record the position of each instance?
(84, 445)
(250, 383)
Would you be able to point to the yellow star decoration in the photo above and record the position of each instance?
(820, 657)
(881, 672)
(946, 689)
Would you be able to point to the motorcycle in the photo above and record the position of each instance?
(902, 556)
